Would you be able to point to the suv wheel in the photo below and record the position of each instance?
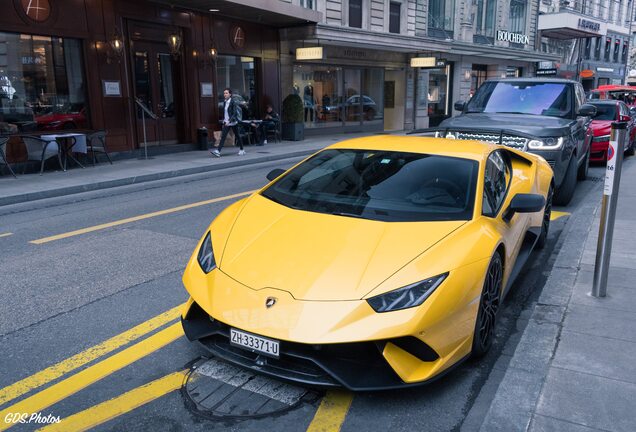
(545, 225)
(582, 172)
(565, 192)
(631, 150)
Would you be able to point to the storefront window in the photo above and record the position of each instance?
(518, 16)
(485, 18)
(237, 73)
(438, 95)
(41, 83)
(334, 96)
(440, 17)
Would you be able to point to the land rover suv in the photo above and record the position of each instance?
(545, 116)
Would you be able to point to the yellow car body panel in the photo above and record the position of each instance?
(321, 268)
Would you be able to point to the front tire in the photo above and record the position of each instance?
(565, 192)
(488, 307)
(545, 224)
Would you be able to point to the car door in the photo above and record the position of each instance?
(498, 190)
(582, 132)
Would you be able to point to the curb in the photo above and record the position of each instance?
(517, 396)
(69, 190)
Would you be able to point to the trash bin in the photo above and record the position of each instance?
(202, 138)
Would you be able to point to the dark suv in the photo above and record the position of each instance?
(547, 117)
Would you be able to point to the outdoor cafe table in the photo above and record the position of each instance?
(68, 143)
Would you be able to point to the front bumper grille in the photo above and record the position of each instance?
(355, 365)
(516, 142)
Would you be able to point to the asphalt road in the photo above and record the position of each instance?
(72, 302)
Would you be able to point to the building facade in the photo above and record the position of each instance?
(157, 68)
(591, 37)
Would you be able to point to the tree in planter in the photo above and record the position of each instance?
(293, 126)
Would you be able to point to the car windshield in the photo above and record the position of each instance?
(387, 186)
(546, 99)
(605, 112)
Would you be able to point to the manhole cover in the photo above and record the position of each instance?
(217, 389)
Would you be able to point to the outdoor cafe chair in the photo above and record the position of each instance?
(96, 143)
(3, 155)
(41, 150)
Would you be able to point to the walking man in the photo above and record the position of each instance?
(231, 118)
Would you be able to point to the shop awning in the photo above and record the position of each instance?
(268, 12)
(568, 25)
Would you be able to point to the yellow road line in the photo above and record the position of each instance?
(88, 376)
(137, 218)
(331, 412)
(6, 234)
(57, 370)
(119, 405)
(557, 214)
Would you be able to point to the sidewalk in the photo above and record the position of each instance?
(574, 368)
(31, 187)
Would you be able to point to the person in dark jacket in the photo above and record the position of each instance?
(231, 117)
(270, 122)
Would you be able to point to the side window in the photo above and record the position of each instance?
(498, 175)
(580, 97)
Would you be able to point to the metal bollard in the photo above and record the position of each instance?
(608, 207)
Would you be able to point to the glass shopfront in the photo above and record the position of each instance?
(336, 96)
(41, 83)
(237, 73)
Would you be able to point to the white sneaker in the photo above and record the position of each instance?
(265, 142)
(215, 153)
(241, 153)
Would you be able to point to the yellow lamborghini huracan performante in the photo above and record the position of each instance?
(376, 263)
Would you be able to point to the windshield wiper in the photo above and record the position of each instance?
(337, 213)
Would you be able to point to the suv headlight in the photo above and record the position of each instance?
(206, 255)
(406, 297)
(546, 143)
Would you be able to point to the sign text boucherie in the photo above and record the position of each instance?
(506, 36)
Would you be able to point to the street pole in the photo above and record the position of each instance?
(608, 207)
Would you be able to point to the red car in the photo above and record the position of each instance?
(62, 120)
(608, 111)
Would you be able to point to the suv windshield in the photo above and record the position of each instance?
(546, 99)
(380, 185)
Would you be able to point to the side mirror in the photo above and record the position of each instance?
(459, 106)
(587, 110)
(275, 173)
(524, 203)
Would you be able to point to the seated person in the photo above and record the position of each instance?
(270, 122)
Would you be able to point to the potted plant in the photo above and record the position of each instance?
(293, 126)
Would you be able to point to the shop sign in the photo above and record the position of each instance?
(206, 89)
(37, 10)
(604, 69)
(29, 60)
(311, 53)
(589, 25)
(427, 62)
(111, 88)
(506, 36)
(546, 72)
(587, 73)
(237, 37)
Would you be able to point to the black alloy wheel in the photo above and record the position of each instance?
(545, 224)
(488, 307)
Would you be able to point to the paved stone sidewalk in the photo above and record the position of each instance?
(574, 369)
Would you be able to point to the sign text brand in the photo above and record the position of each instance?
(506, 36)
(312, 53)
(589, 25)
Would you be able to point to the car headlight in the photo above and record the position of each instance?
(206, 255)
(546, 143)
(406, 297)
(602, 138)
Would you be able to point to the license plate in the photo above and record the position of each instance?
(254, 343)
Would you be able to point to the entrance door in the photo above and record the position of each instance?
(153, 76)
(439, 95)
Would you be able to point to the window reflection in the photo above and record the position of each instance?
(41, 83)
